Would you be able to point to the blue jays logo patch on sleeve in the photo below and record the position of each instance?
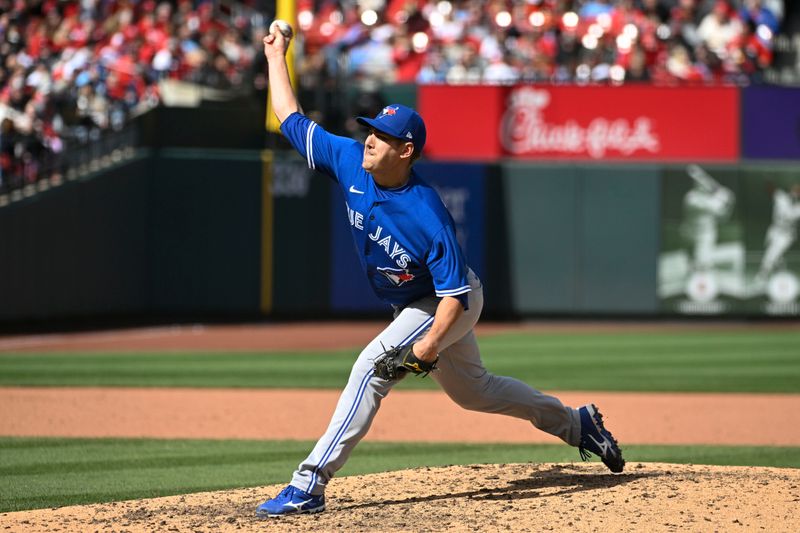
(396, 275)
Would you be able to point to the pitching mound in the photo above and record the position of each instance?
(515, 497)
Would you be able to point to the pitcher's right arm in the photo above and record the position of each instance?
(284, 101)
(338, 157)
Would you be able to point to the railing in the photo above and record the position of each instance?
(88, 150)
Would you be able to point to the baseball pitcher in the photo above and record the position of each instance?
(407, 246)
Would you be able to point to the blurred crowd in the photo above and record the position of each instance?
(72, 69)
(502, 41)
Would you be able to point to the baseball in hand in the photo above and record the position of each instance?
(282, 26)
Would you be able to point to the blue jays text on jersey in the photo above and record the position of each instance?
(405, 237)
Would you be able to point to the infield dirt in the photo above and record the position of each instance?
(516, 497)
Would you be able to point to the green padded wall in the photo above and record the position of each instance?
(582, 239)
(618, 241)
(541, 209)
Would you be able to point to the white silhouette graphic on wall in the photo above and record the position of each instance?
(780, 285)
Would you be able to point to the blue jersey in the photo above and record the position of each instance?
(405, 237)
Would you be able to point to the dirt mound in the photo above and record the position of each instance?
(513, 497)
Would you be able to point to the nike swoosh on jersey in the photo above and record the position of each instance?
(354, 190)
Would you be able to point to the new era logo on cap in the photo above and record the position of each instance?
(400, 122)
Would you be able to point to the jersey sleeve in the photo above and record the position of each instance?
(323, 151)
(447, 266)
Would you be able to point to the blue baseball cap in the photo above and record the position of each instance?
(400, 122)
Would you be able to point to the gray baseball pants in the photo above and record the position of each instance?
(460, 373)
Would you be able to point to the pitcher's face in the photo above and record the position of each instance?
(383, 152)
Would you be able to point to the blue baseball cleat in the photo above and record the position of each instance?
(597, 439)
(291, 500)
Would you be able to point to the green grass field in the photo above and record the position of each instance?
(37, 473)
(767, 361)
(40, 473)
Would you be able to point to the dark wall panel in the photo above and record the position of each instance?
(301, 243)
(77, 250)
(205, 232)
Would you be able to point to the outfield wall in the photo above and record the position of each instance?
(186, 233)
(174, 235)
(563, 208)
(78, 250)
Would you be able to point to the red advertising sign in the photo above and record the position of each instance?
(586, 123)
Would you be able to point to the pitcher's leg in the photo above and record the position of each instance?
(463, 377)
(358, 404)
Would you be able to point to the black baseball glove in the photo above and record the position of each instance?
(395, 362)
